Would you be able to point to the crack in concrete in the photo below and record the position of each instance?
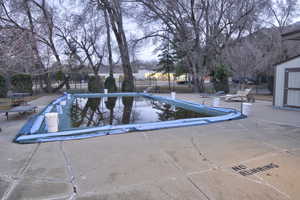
(166, 193)
(20, 173)
(197, 187)
(70, 172)
(201, 155)
(173, 162)
(179, 168)
(262, 181)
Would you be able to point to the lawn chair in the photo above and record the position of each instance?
(17, 99)
(19, 109)
(17, 104)
(241, 95)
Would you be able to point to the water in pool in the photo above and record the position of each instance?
(89, 112)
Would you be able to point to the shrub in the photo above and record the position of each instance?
(95, 84)
(127, 86)
(110, 84)
(220, 77)
(21, 83)
(3, 87)
(59, 76)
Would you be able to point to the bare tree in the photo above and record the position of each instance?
(114, 10)
(40, 24)
(281, 12)
(201, 29)
(258, 51)
(15, 51)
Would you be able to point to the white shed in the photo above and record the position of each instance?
(287, 84)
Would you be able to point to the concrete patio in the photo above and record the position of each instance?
(191, 163)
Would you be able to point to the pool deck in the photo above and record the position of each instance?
(191, 163)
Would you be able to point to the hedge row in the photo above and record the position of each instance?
(3, 88)
(19, 83)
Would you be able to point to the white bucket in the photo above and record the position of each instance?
(52, 121)
(216, 102)
(246, 108)
(173, 95)
(105, 91)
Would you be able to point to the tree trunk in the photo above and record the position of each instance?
(169, 81)
(195, 76)
(37, 59)
(115, 15)
(111, 72)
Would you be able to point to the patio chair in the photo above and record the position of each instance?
(241, 95)
(19, 109)
(17, 99)
(16, 104)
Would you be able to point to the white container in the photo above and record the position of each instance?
(105, 91)
(52, 121)
(246, 107)
(173, 95)
(216, 102)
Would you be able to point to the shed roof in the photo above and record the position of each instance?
(287, 60)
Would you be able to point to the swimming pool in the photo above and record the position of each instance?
(96, 114)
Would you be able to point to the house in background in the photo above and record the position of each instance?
(287, 78)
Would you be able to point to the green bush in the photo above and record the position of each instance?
(220, 79)
(21, 83)
(59, 76)
(127, 86)
(95, 84)
(110, 84)
(3, 87)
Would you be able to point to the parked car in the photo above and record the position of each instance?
(244, 80)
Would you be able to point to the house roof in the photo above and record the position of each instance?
(292, 35)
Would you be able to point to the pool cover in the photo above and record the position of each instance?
(35, 130)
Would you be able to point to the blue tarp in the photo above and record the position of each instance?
(35, 129)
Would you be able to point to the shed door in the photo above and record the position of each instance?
(292, 87)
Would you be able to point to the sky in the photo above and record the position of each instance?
(146, 50)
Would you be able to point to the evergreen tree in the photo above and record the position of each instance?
(166, 63)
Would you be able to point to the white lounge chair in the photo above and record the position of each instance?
(241, 95)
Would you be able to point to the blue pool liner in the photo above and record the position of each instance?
(35, 130)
